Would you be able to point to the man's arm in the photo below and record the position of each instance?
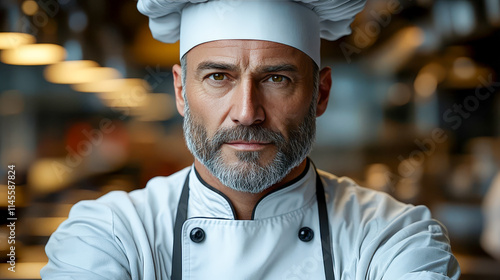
(413, 246)
(85, 246)
(383, 238)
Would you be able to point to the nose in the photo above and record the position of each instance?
(246, 105)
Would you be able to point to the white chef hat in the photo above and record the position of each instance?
(296, 23)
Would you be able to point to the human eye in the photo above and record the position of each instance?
(277, 79)
(217, 80)
(217, 77)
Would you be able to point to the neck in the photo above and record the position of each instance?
(244, 203)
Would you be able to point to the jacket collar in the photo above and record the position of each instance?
(206, 201)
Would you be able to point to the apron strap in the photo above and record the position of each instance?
(324, 227)
(180, 218)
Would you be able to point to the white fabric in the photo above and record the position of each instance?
(130, 235)
(490, 237)
(283, 21)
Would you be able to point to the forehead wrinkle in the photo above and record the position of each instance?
(250, 56)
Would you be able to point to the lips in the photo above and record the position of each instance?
(248, 142)
(248, 145)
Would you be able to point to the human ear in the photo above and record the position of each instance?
(179, 98)
(325, 84)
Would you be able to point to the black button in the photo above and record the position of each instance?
(197, 235)
(306, 234)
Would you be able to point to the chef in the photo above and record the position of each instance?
(252, 205)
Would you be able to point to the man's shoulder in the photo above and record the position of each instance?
(160, 190)
(165, 185)
(340, 188)
(118, 212)
(345, 196)
(374, 217)
(160, 194)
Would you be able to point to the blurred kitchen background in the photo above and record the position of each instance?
(87, 107)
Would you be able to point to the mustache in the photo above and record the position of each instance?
(246, 133)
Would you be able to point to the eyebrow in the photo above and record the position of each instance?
(210, 65)
(278, 68)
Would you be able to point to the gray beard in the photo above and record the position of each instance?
(248, 174)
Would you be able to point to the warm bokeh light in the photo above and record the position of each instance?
(436, 69)
(10, 40)
(113, 87)
(158, 107)
(428, 79)
(70, 72)
(407, 189)
(95, 75)
(377, 177)
(464, 67)
(87, 75)
(44, 226)
(123, 93)
(148, 51)
(34, 54)
(425, 84)
(29, 7)
(51, 174)
(398, 49)
(411, 37)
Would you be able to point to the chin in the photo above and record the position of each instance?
(260, 158)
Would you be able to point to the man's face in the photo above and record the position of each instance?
(249, 110)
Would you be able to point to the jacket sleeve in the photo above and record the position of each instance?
(413, 246)
(85, 246)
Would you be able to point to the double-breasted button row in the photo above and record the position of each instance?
(197, 234)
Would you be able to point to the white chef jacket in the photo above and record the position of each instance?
(130, 235)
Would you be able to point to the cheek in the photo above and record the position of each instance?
(283, 123)
(286, 114)
(206, 111)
